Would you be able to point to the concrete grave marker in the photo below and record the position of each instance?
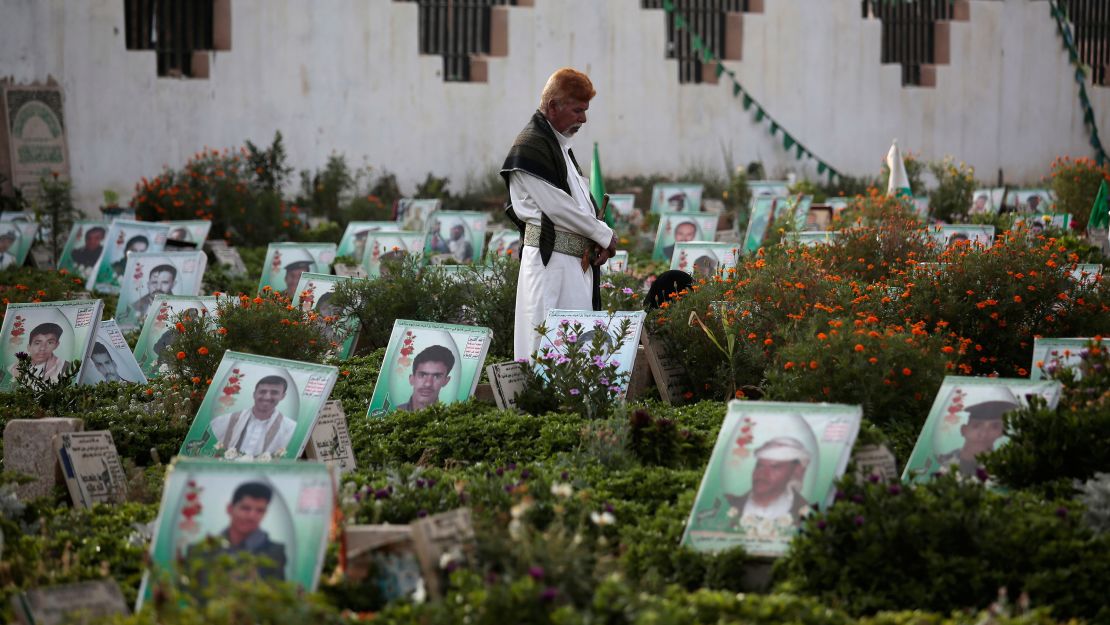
(388, 550)
(331, 441)
(439, 540)
(91, 466)
(227, 256)
(507, 381)
(669, 373)
(875, 460)
(350, 271)
(69, 604)
(28, 448)
(33, 137)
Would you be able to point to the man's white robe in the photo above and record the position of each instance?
(562, 283)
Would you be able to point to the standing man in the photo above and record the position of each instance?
(552, 206)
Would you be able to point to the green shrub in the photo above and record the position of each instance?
(946, 545)
(341, 194)
(19, 285)
(1075, 183)
(951, 199)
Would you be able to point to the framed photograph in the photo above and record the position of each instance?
(623, 204)
(387, 246)
(1053, 354)
(504, 243)
(353, 243)
(760, 217)
(810, 237)
(52, 334)
(819, 218)
(769, 188)
(704, 260)
(260, 407)
(83, 247)
(278, 512)
(152, 347)
(987, 201)
(124, 237)
(110, 359)
(1033, 200)
(595, 321)
(150, 274)
(838, 204)
(966, 420)
(797, 206)
(455, 237)
(682, 227)
(954, 235)
(464, 273)
(1087, 273)
(16, 238)
(1044, 221)
(772, 464)
(676, 197)
(285, 262)
(429, 363)
(193, 231)
(617, 264)
(314, 292)
(413, 213)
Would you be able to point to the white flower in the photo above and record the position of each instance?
(516, 530)
(231, 454)
(601, 519)
(419, 595)
(733, 512)
(264, 456)
(562, 489)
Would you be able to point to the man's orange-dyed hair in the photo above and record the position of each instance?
(567, 83)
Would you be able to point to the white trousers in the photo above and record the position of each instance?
(561, 284)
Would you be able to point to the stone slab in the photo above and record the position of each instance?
(29, 448)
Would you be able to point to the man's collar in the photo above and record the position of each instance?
(564, 141)
(271, 416)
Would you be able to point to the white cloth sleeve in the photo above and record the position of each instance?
(530, 194)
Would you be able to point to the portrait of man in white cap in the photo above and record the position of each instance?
(780, 467)
(983, 429)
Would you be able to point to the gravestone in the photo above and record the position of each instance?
(875, 460)
(442, 539)
(641, 378)
(227, 256)
(69, 604)
(389, 551)
(331, 440)
(28, 448)
(33, 136)
(669, 373)
(91, 467)
(41, 258)
(506, 381)
(350, 271)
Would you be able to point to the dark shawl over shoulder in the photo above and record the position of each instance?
(536, 151)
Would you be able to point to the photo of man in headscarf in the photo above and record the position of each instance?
(781, 465)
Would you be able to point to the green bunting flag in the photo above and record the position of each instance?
(747, 101)
(1100, 212)
(774, 129)
(787, 141)
(735, 87)
(720, 70)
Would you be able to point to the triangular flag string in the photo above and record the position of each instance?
(1064, 29)
(706, 55)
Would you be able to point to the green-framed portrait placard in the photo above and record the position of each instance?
(1033, 200)
(617, 264)
(1087, 273)
(16, 238)
(285, 262)
(676, 197)
(966, 421)
(773, 463)
(193, 231)
(413, 213)
(455, 237)
(768, 188)
(279, 513)
(110, 359)
(987, 201)
(149, 274)
(314, 292)
(152, 349)
(682, 227)
(977, 236)
(353, 242)
(382, 247)
(1053, 354)
(51, 334)
(1043, 221)
(83, 247)
(592, 322)
(759, 221)
(124, 237)
(504, 244)
(428, 363)
(259, 407)
(704, 260)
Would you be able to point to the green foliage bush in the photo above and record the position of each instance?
(342, 194)
(951, 199)
(1075, 182)
(948, 544)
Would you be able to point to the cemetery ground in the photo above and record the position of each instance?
(579, 500)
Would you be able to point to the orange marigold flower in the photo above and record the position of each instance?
(221, 331)
(767, 341)
(859, 348)
(739, 394)
(813, 364)
(907, 371)
(181, 355)
(872, 360)
(196, 379)
(258, 300)
(1017, 299)
(822, 336)
(180, 326)
(202, 350)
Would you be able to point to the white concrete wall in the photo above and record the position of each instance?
(344, 76)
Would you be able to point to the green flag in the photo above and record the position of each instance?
(597, 187)
(1100, 212)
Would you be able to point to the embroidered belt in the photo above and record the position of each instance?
(565, 242)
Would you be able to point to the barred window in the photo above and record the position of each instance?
(707, 19)
(455, 30)
(1090, 21)
(173, 29)
(909, 32)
